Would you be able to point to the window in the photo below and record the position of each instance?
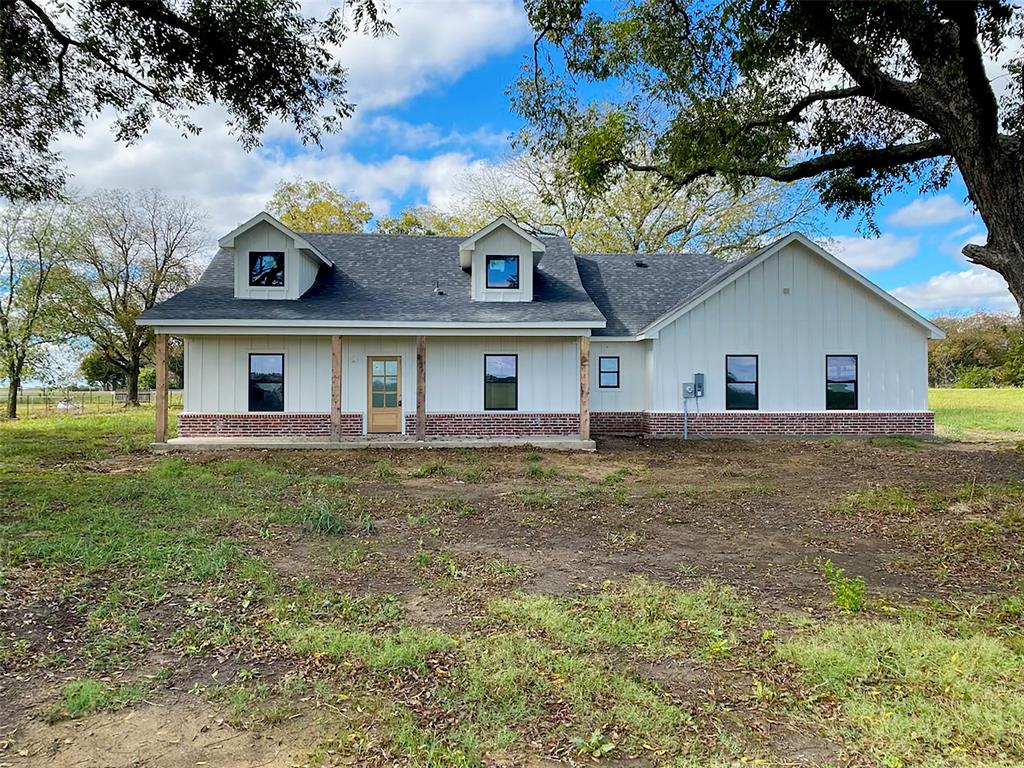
(266, 268)
(741, 382)
(384, 383)
(841, 382)
(501, 382)
(502, 271)
(608, 372)
(266, 382)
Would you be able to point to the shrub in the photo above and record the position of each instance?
(974, 377)
(848, 593)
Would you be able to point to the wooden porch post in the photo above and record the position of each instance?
(161, 387)
(336, 387)
(584, 387)
(421, 387)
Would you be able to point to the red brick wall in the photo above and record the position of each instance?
(810, 423)
(497, 424)
(266, 425)
(616, 422)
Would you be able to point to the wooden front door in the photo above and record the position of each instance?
(384, 394)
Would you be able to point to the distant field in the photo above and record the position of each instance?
(978, 414)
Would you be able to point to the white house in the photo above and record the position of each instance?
(340, 336)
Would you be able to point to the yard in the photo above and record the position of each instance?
(834, 602)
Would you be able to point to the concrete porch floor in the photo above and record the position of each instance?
(388, 441)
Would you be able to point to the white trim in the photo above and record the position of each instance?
(174, 328)
(651, 330)
(228, 241)
(469, 243)
(615, 339)
(412, 325)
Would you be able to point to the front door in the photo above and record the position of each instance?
(383, 394)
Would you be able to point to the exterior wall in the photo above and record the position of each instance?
(502, 242)
(791, 331)
(633, 393)
(548, 371)
(217, 372)
(300, 270)
(216, 384)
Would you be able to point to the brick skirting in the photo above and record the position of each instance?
(266, 425)
(808, 423)
(497, 424)
(616, 422)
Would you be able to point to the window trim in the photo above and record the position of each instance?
(248, 381)
(487, 272)
(515, 355)
(617, 372)
(284, 270)
(856, 381)
(756, 382)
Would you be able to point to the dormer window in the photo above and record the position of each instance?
(503, 272)
(266, 269)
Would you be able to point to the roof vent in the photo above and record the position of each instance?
(640, 263)
(437, 288)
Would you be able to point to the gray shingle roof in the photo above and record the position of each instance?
(389, 278)
(632, 297)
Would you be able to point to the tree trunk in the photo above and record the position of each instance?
(12, 395)
(132, 380)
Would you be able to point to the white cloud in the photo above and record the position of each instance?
(928, 211)
(971, 289)
(233, 185)
(865, 254)
(435, 42)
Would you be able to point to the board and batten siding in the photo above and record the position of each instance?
(300, 270)
(502, 242)
(548, 372)
(217, 372)
(634, 380)
(824, 313)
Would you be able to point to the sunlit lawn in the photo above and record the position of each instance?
(978, 414)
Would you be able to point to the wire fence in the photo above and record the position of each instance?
(71, 402)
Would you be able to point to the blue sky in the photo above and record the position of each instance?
(432, 105)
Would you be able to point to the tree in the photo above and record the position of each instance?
(427, 220)
(635, 212)
(63, 63)
(977, 341)
(138, 248)
(316, 206)
(98, 371)
(35, 240)
(862, 98)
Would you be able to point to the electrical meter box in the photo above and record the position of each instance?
(688, 390)
(698, 385)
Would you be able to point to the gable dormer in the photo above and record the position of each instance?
(271, 261)
(501, 258)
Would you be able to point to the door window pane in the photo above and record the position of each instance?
(841, 382)
(741, 382)
(501, 382)
(384, 383)
(266, 382)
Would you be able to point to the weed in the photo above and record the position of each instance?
(383, 470)
(625, 539)
(848, 593)
(320, 516)
(433, 469)
(885, 500)
(86, 695)
(534, 456)
(472, 473)
(536, 470)
(595, 746)
(896, 441)
(618, 477)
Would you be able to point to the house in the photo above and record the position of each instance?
(503, 334)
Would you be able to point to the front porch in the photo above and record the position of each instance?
(370, 441)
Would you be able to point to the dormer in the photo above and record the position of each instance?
(271, 261)
(501, 258)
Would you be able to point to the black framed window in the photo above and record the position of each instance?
(266, 268)
(501, 382)
(266, 382)
(741, 382)
(502, 271)
(841, 382)
(608, 372)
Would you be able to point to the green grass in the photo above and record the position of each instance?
(978, 414)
